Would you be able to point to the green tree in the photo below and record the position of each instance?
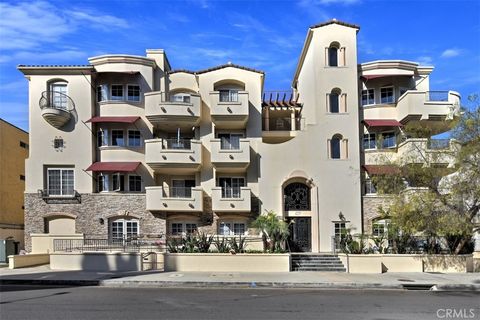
(274, 231)
(445, 202)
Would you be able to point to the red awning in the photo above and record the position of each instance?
(113, 166)
(375, 76)
(381, 169)
(113, 119)
(382, 123)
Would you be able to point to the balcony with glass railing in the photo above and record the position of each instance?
(231, 199)
(56, 108)
(175, 110)
(173, 155)
(229, 109)
(174, 199)
(230, 154)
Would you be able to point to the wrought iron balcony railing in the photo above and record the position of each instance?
(56, 100)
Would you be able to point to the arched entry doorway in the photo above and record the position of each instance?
(297, 204)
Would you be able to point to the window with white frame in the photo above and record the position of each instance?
(133, 92)
(60, 181)
(58, 95)
(389, 140)
(134, 183)
(370, 187)
(230, 141)
(228, 95)
(380, 227)
(387, 95)
(117, 138)
(231, 186)
(369, 141)
(180, 97)
(118, 182)
(368, 97)
(102, 93)
(116, 93)
(190, 228)
(231, 228)
(134, 138)
(123, 229)
(102, 138)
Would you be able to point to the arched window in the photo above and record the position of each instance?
(380, 227)
(297, 197)
(58, 94)
(335, 147)
(334, 101)
(333, 54)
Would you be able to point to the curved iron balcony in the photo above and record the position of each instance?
(56, 108)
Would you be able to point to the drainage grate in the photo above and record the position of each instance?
(418, 286)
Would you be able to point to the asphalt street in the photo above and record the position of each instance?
(40, 302)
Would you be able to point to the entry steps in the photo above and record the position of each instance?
(317, 262)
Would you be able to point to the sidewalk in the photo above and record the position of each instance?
(42, 275)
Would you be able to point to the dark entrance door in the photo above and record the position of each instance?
(300, 235)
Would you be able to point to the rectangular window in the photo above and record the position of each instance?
(368, 97)
(230, 141)
(102, 138)
(134, 138)
(118, 182)
(182, 188)
(231, 187)
(239, 229)
(133, 92)
(225, 229)
(378, 229)
(370, 187)
(340, 229)
(388, 140)
(190, 228)
(229, 95)
(102, 93)
(177, 228)
(23, 145)
(22, 177)
(60, 182)
(117, 138)
(102, 182)
(117, 92)
(134, 183)
(386, 95)
(369, 141)
(180, 97)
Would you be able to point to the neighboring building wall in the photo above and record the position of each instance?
(371, 209)
(13, 152)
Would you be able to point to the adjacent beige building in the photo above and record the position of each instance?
(127, 146)
(13, 152)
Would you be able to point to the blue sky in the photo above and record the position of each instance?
(266, 35)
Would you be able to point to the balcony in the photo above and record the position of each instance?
(178, 156)
(277, 130)
(56, 108)
(231, 199)
(174, 199)
(159, 110)
(416, 150)
(229, 112)
(230, 157)
(436, 107)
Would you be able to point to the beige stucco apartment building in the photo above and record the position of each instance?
(13, 152)
(126, 145)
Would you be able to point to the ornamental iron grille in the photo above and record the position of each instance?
(297, 197)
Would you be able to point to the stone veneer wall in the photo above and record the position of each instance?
(370, 209)
(88, 212)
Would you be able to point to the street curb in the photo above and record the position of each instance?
(49, 282)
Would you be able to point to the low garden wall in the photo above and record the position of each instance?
(96, 261)
(43, 242)
(378, 263)
(28, 260)
(225, 262)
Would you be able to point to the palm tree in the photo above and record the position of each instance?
(274, 231)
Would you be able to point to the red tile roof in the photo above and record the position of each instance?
(335, 21)
(217, 68)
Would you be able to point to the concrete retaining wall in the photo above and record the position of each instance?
(43, 242)
(225, 262)
(28, 260)
(96, 261)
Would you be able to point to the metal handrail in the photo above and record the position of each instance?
(176, 144)
(56, 100)
(231, 192)
(436, 96)
(45, 194)
(178, 192)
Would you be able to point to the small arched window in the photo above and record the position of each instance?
(334, 101)
(335, 55)
(58, 94)
(335, 147)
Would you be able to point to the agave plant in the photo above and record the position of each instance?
(221, 245)
(203, 242)
(173, 245)
(238, 246)
(189, 243)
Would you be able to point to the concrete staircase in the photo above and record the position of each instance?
(317, 262)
